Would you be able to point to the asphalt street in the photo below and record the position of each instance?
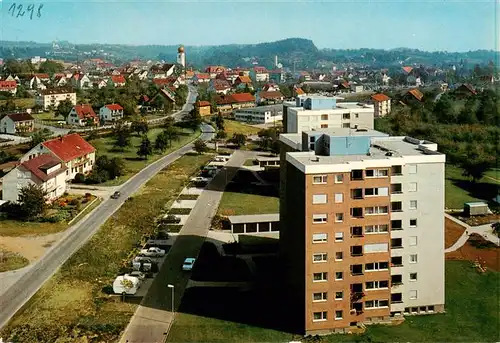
(12, 299)
(153, 318)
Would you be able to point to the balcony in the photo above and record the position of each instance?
(356, 251)
(357, 212)
(396, 206)
(357, 231)
(396, 280)
(396, 243)
(357, 175)
(397, 170)
(356, 269)
(356, 296)
(356, 308)
(396, 261)
(396, 188)
(396, 225)
(357, 194)
(396, 298)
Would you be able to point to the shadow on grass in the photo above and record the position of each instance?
(243, 181)
(480, 190)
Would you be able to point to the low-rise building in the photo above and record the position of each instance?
(8, 86)
(53, 96)
(45, 171)
(16, 123)
(204, 108)
(117, 81)
(260, 115)
(201, 78)
(111, 112)
(77, 155)
(259, 74)
(269, 97)
(82, 115)
(243, 82)
(382, 105)
(226, 104)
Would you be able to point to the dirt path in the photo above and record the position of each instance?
(31, 247)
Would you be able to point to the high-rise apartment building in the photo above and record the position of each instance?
(361, 228)
(310, 112)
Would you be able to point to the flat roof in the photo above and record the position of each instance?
(264, 159)
(261, 108)
(345, 132)
(254, 218)
(476, 204)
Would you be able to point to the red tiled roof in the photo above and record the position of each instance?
(299, 91)
(407, 69)
(38, 165)
(243, 79)
(114, 107)
(270, 95)
(69, 147)
(118, 79)
(161, 82)
(85, 111)
(8, 84)
(380, 97)
(215, 69)
(260, 69)
(42, 76)
(242, 97)
(202, 76)
(416, 93)
(202, 103)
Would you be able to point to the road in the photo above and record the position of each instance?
(153, 318)
(13, 298)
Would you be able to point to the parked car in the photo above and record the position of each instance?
(200, 179)
(153, 252)
(220, 158)
(188, 264)
(116, 195)
(142, 264)
(140, 275)
(126, 284)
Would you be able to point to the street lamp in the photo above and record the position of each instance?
(172, 288)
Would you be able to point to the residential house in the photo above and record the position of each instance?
(44, 77)
(81, 81)
(45, 171)
(412, 95)
(82, 115)
(17, 123)
(99, 84)
(382, 105)
(36, 83)
(242, 82)
(161, 71)
(227, 103)
(52, 97)
(161, 82)
(214, 70)
(201, 78)
(270, 87)
(260, 114)
(465, 90)
(111, 112)
(117, 81)
(277, 76)
(60, 80)
(259, 74)
(385, 79)
(204, 108)
(344, 87)
(219, 86)
(297, 91)
(75, 152)
(269, 97)
(8, 86)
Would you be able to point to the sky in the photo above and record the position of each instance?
(430, 25)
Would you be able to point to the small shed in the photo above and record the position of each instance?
(476, 208)
(254, 223)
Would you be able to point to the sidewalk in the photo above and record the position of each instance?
(483, 230)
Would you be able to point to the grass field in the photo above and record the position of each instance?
(10, 261)
(459, 189)
(233, 126)
(47, 116)
(472, 315)
(243, 203)
(21, 103)
(134, 163)
(71, 304)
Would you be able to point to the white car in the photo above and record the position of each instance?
(153, 252)
(200, 179)
(140, 275)
(188, 264)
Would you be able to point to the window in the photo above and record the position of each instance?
(413, 240)
(339, 178)
(356, 269)
(339, 197)
(396, 298)
(396, 188)
(413, 222)
(320, 179)
(320, 277)
(324, 117)
(397, 261)
(412, 168)
(396, 224)
(413, 294)
(413, 276)
(324, 126)
(346, 125)
(357, 193)
(346, 116)
(396, 170)
(412, 187)
(376, 266)
(357, 174)
(381, 191)
(376, 172)
(413, 258)
(376, 247)
(397, 206)
(413, 204)
(376, 210)
(376, 303)
(356, 250)
(339, 217)
(339, 295)
(371, 285)
(356, 115)
(319, 218)
(312, 139)
(382, 228)
(339, 275)
(319, 198)
(338, 315)
(339, 255)
(320, 257)
(357, 212)
(320, 237)
(319, 316)
(339, 236)
(357, 231)
(321, 296)
(396, 243)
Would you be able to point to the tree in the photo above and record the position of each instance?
(200, 147)
(39, 137)
(64, 108)
(109, 169)
(219, 122)
(169, 122)
(139, 126)
(171, 133)
(475, 162)
(121, 134)
(9, 106)
(194, 120)
(221, 134)
(239, 139)
(145, 149)
(50, 67)
(162, 142)
(32, 201)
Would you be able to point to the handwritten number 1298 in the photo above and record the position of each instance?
(18, 11)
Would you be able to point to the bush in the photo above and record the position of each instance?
(74, 202)
(179, 211)
(79, 178)
(88, 195)
(173, 227)
(171, 219)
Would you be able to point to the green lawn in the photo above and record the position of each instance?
(472, 315)
(249, 162)
(233, 126)
(11, 261)
(133, 163)
(47, 116)
(233, 203)
(21, 102)
(459, 189)
(72, 303)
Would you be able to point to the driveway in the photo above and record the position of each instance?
(14, 297)
(153, 318)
